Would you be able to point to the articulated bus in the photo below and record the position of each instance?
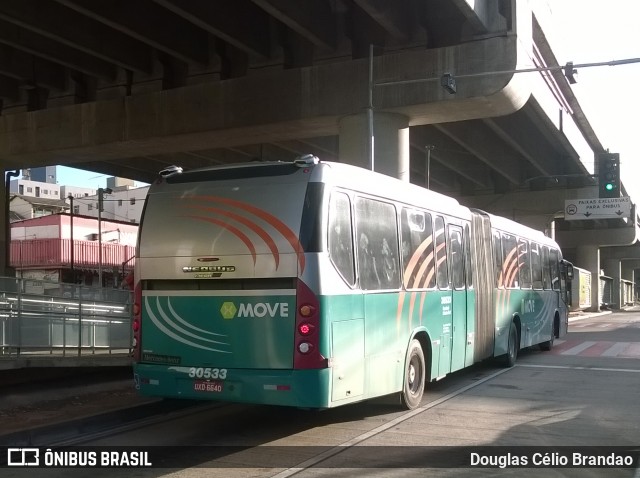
(316, 284)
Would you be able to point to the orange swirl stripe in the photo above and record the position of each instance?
(276, 223)
(511, 270)
(264, 235)
(408, 272)
(241, 235)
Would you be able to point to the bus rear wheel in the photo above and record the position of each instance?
(414, 376)
(512, 347)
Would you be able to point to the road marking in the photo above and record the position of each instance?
(633, 350)
(365, 436)
(572, 367)
(615, 349)
(600, 348)
(578, 348)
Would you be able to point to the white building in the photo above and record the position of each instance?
(36, 189)
(47, 190)
(29, 207)
(76, 192)
(123, 203)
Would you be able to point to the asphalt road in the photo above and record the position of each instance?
(585, 392)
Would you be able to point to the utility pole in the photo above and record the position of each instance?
(429, 148)
(71, 248)
(101, 193)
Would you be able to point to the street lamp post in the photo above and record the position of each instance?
(71, 255)
(101, 193)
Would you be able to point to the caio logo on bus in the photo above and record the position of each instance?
(229, 310)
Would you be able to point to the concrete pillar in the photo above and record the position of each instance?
(588, 257)
(612, 269)
(629, 273)
(4, 232)
(390, 139)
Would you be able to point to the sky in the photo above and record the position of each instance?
(66, 176)
(590, 31)
(78, 177)
(586, 31)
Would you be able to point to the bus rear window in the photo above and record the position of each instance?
(241, 172)
(340, 236)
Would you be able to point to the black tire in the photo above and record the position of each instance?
(414, 376)
(512, 347)
(548, 344)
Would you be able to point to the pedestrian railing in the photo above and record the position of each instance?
(39, 317)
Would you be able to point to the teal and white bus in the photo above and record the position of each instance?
(316, 284)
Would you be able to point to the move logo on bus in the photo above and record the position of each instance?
(229, 310)
(528, 306)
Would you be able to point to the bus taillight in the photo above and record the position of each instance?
(136, 325)
(306, 329)
(306, 310)
(307, 339)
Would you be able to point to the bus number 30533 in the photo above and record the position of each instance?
(214, 373)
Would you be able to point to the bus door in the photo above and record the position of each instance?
(347, 308)
(379, 278)
(566, 276)
(458, 297)
(446, 306)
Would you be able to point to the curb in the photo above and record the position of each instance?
(588, 315)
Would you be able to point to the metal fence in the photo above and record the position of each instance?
(38, 317)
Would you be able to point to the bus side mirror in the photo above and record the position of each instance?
(569, 270)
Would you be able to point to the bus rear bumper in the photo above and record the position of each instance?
(295, 388)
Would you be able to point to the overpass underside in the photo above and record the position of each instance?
(213, 83)
(97, 85)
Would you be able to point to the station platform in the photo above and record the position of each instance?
(580, 314)
(58, 360)
(122, 358)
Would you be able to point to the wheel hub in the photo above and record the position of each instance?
(412, 374)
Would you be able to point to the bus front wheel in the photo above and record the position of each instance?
(548, 344)
(414, 376)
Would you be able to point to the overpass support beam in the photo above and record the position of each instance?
(628, 268)
(612, 268)
(390, 143)
(629, 273)
(588, 257)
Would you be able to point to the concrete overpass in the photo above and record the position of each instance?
(127, 88)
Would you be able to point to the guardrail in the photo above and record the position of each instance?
(39, 317)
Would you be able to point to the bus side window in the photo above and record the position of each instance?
(418, 262)
(497, 260)
(468, 259)
(546, 272)
(524, 264)
(340, 236)
(510, 261)
(536, 266)
(377, 232)
(554, 267)
(442, 274)
(457, 257)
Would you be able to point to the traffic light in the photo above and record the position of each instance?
(609, 175)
